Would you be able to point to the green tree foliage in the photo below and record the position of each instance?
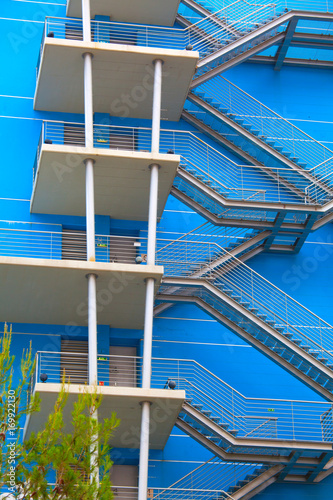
(61, 460)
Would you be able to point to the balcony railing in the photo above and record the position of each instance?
(252, 417)
(116, 33)
(70, 246)
(202, 161)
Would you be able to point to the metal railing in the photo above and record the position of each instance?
(198, 158)
(198, 251)
(280, 419)
(210, 480)
(203, 35)
(225, 24)
(272, 127)
(232, 275)
(66, 246)
(308, 5)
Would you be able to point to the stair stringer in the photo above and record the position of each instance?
(241, 332)
(258, 484)
(235, 149)
(255, 140)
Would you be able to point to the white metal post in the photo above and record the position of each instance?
(144, 451)
(150, 283)
(86, 20)
(92, 329)
(90, 223)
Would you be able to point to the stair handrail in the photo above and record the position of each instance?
(330, 354)
(262, 191)
(272, 285)
(270, 419)
(214, 14)
(215, 403)
(186, 475)
(278, 117)
(195, 234)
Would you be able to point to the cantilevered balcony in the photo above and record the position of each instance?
(44, 274)
(200, 402)
(141, 11)
(122, 176)
(123, 56)
(119, 379)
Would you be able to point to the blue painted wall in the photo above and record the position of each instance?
(302, 95)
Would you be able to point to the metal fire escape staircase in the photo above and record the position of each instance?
(294, 435)
(217, 280)
(218, 479)
(297, 164)
(252, 307)
(232, 34)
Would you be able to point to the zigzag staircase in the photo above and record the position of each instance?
(296, 435)
(267, 136)
(257, 311)
(232, 34)
(221, 284)
(222, 191)
(205, 255)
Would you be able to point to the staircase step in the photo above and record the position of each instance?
(314, 354)
(262, 316)
(234, 432)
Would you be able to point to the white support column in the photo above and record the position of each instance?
(144, 451)
(150, 284)
(92, 329)
(86, 20)
(90, 210)
(90, 221)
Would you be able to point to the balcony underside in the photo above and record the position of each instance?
(122, 78)
(159, 12)
(55, 291)
(165, 408)
(122, 180)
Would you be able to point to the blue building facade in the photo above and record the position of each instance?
(244, 232)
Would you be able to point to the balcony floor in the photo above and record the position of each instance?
(55, 291)
(122, 78)
(160, 12)
(122, 181)
(125, 401)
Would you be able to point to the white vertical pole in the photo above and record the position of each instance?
(144, 451)
(150, 282)
(90, 223)
(92, 329)
(86, 20)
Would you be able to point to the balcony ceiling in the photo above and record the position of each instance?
(160, 12)
(165, 408)
(122, 181)
(122, 78)
(55, 291)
